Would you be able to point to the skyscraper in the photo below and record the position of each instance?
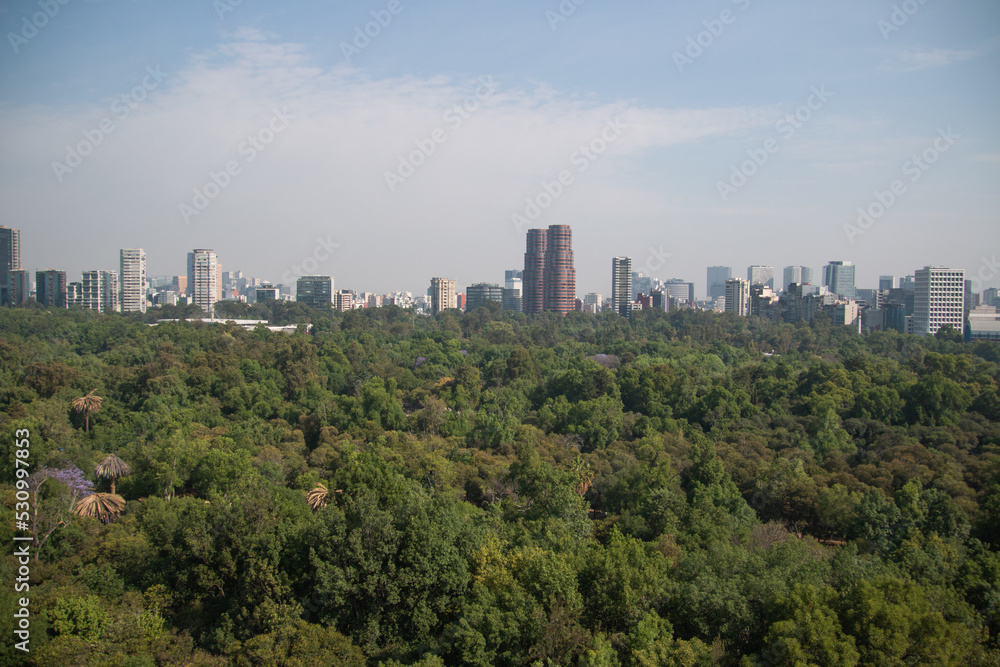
(133, 280)
(886, 282)
(100, 291)
(796, 274)
(761, 275)
(533, 294)
(314, 291)
(641, 284)
(738, 296)
(477, 295)
(50, 288)
(10, 258)
(203, 286)
(559, 278)
(939, 299)
(838, 277)
(442, 295)
(621, 285)
(717, 277)
(680, 291)
(18, 287)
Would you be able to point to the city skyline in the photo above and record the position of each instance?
(170, 128)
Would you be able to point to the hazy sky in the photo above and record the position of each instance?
(286, 117)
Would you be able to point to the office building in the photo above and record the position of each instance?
(477, 295)
(991, 297)
(717, 277)
(984, 323)
(738, 296)
(533, 290)
(838, 277)
(621, 285)
(886, 282)
(660, 300)
(512, 300)
(763, 302)
(938, 299)
(559, 279)
(133, 280)
(99, 291)
(795, 274)
(641, 284)
(50, 288)
(442, 295)
(314, 291)
(758, 274)
(513, 279)
(266, 293)
(592, 302)
(10, 259)
(203, 279)
(800, 302)
(680, 291)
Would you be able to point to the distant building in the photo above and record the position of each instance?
(204, 279)
(991, 297)
(795, 274)
(738, 296)
(133, 280)
(477, 295)
(660, 300)
(74, 294)
(764, 302)
(984, 323)
(844, 312)
(100, 291)
(938, 299)
(18, 287)
(838, 277)
(512, 300)
(344, 301)
(677, 289)
(10, 259)
(50, 288)
(592, 302)
(758, 274)
(717, 277)
(560, 272)
(641, 284)
(533, 292)
(800, 302)
(621, 285)
(266, 293)
(886, 282)
(314, 291)
(442, 295)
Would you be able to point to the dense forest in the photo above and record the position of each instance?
(491, 489)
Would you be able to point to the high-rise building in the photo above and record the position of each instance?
(660, 300)
(758, 274)
(100, 291)
(991, 297)
(513, 279)
(344, 300)
(796, 274)
(621, 285)
(886, 282)
(738, 296)
(838, 277)
(559, 279)
(592, 302)
(50, 288)
(18, 287)
(477, 295)
(203, 286)
(133, 280)
(314, 291)
(533, 291)
(717, 277)
(764, 302)
(641, 284)
(512, 300)
(442, 295)
(938, 299)
(10, 259)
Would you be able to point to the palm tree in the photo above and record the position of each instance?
(112, 468)
(88, 405)
(317, 497)
(584, 474)
(105, 507)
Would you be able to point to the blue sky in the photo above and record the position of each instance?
(308, 134)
